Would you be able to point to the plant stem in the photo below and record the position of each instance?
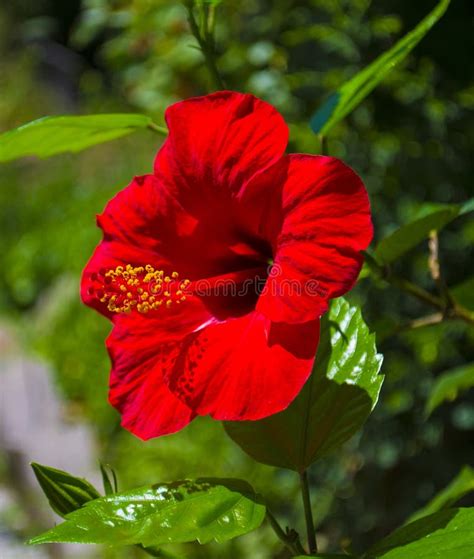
(308, 513)
(449, 308)
(455, 311)
(415, 291)
(206, 43)
(158, 129)
(290, 538)
(435, 270)
(323, 144)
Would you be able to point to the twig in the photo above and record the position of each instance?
(433, 260)
(290, 538)
(450, 310)
(427, 320)
(454, 311)
(435, 270)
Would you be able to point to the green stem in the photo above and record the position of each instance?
(290, 538)
(158, 129)
(449, 308)
(450, 312)
(416, 291)
(323, 144)
(308, 513)
(207, 48)
(211, 24)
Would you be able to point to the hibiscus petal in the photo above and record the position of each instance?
(146, 215)
(217, 143)
(142, 350)
(325, 224)
(245, 368)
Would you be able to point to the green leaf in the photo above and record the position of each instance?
(461, 485)
(353, 92)
(52, 135)
(448, 385)
(110, 485)
(65, 492)
(432, 217)
(335, 402)
(446, 534)
(178, 512)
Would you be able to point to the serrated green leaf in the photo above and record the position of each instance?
(462, 485)
(446, 534)
(334, 403)
(183, 511)
(353, 92)
(432, 217)
(448, 385)
(65, 492)
(52, 135)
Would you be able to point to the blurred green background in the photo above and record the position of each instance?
(412, 141)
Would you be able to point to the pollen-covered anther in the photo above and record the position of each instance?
(140, 288)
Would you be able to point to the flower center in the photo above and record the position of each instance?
(141, 288)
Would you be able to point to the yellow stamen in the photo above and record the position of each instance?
(140, 288)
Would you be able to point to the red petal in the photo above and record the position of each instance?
(245, 368)
(142, 350)
(146, 215)
(326, 223)
(217, 143)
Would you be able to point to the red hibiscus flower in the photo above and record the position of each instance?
(216, 268)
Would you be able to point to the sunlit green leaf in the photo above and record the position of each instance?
(461, 485)
(346, 99)
(448, 385)
(447, 534)
(178, 512)
(52, 135)
(65, 492)
(333, 405)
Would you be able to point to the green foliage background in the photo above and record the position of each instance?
(412, 142)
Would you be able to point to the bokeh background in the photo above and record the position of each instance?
(412, 141)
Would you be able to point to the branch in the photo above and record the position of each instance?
(290, 538)
(449, 308)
